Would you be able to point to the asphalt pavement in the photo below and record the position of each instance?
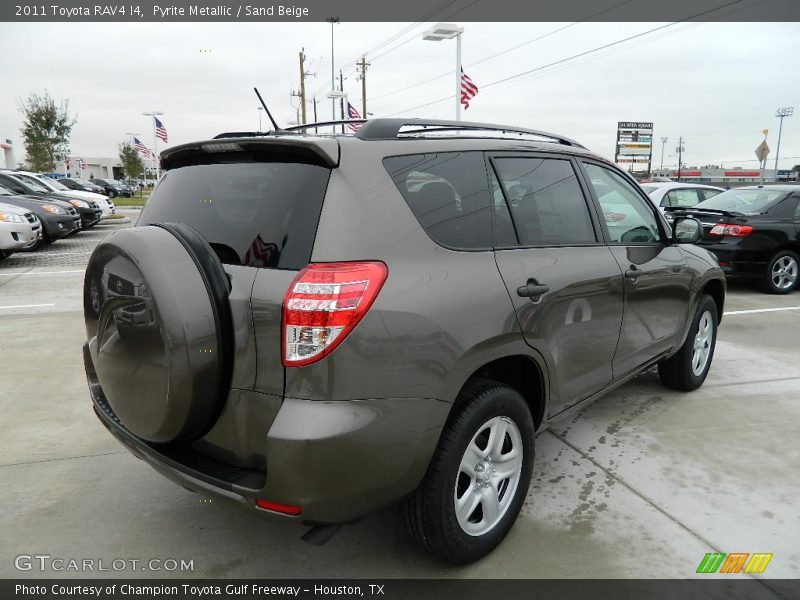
(641, 484)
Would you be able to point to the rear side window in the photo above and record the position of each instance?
(681, 197)
(546, 201)
(448, 193)
(259, 214)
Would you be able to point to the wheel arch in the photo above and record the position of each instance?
(519, 371)
(716, 289)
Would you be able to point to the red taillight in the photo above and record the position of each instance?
(323, 304)
(284, 509)
(722, 229)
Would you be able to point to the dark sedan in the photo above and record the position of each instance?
(755, 233)
(59, 219)
(90, 213)
(82, 185)
(113, 188)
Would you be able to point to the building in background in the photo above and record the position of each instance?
(724, 176)
(7, 158)
(91, 168)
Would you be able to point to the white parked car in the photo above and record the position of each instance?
(681, 195)
(53, 185)
(19, 229)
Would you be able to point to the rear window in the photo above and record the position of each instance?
(448, 192)
(748, 201)
(259, 214)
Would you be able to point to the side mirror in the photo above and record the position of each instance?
(686, 230)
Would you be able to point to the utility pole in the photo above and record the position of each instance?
(296, 108)
(362, 67)
(315, 113)
(341, 100)
(303, 85)
(663, 143)
(680, 150)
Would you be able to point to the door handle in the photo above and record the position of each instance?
(633, 273)
(532, 290)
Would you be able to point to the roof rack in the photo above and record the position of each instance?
(326, 124)
(388, 129)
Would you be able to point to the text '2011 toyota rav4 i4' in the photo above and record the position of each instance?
(316, 327)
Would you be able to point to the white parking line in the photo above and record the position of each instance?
(760, 310)
(26, 306)
(41, 273)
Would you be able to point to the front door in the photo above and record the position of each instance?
(657, 278)
(563, 281)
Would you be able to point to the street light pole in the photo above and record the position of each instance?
(448, 31)
(153, 114)
(333, 21)
(781, 113)
(663, 143)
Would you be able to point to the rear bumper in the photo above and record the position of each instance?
(338, 461)
(739, 262)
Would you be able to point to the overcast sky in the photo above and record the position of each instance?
(716, 84)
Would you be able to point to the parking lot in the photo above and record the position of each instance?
(641, 484)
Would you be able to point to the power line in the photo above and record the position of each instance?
(575, 56)
(397, 36)
(507, 50)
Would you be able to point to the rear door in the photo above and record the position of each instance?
(657, 278)
(258, 207)
(564, 283)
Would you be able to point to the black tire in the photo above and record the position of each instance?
(678, 371)
(772, 282)
(430, 513)
(112, 194)
(5, 254)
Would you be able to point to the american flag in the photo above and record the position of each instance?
(468, 89)
(352, 113)
(161, 132)
(66, 162)
(81, 164)
(140, 147)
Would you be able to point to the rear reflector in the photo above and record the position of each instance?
(284, 509)
(323, 304)
(722, 229)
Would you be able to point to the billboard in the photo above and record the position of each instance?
(634, 143)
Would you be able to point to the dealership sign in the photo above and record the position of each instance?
(634, 143)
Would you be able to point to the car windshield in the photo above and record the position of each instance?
(746, 201)
(30, 182)
(4, 191)
(56, 185)
(81, 181)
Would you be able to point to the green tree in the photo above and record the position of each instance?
(46, 130)
(131, 160)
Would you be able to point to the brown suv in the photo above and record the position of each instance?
(332, 324)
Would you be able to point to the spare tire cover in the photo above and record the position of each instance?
(159, 327)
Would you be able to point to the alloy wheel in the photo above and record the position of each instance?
(488, 476)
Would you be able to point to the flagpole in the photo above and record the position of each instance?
(155, 140)
(458, 77)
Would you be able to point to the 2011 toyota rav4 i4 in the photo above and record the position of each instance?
(316, 327)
